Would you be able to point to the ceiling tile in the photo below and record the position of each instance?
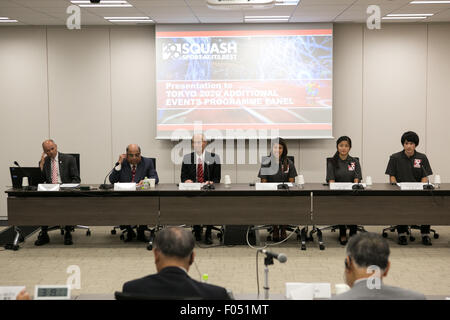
(158, 3)
(441, 16)
(7, 4)
(196, 11)
(43, 3)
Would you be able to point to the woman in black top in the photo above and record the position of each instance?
(277, 167)
(344, 168)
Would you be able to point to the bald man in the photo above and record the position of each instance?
(204, 167)
(133, 167)
(174, 254)
(57, 167)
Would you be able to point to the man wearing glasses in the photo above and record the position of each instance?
(133, 168)
(204, 167)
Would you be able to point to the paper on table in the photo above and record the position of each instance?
(322, 290)
(302, 291)
(10, 293)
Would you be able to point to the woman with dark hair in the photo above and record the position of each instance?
(277, 167)
(344, 168)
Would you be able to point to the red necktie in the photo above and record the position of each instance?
(200, 171)
(133, 173)
(54, 171)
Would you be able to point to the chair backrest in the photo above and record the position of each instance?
(331, 158)
(266, 157)
(154, 162)
(139, 296)
(77, 160)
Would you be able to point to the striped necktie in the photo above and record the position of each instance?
(133, 173)
(54, 171)
(200, 177)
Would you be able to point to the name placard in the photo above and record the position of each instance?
(190, 186)
(344, 185)
(125, 186)
(411, 185)
(48, 187)
(271, 185)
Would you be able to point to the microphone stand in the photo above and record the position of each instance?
(283, 186)
(268, 260)
(105, 186)
(358, 186)
(208, 186)
(427, 186)
(24, 175)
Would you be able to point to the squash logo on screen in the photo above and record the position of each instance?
(200, 51)
(171, 51)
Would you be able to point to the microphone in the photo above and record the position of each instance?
(283, 186)
(281, 257)
(427, 186)
(358, 186)
(24, 174)
(105, 186)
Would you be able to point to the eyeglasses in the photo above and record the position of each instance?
(137, 155)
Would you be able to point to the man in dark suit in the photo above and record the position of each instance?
(174, 254)
(134, 168)
(366, 264)
(57, 167)
(204, 167)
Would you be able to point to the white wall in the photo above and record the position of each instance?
(93, 92)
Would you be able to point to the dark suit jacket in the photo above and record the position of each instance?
(67, 169)
(176, 283)
(211, 168)
(144, 169)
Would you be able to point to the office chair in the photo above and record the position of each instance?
(333, 228)
(151, 230)
(61, 228)
(408, 231)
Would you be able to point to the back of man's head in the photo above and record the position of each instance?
(175, 242)
(368, 249)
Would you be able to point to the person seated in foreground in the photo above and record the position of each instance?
(174, 254)
(366, 264)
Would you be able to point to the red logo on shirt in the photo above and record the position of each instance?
(351, 166)
(417, 163)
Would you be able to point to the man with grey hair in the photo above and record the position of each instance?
(174, 254)
(57, 168)
(204, 167)
(366, 264)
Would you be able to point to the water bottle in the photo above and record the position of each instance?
(146, 183)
